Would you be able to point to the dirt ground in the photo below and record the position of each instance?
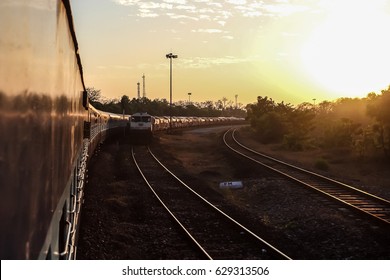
(121, 220)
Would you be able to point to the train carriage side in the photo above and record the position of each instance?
(42, 114)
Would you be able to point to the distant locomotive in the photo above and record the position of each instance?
(141, 123)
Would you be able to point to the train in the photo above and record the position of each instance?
(143, 125)
(143, 122)
(49, 130)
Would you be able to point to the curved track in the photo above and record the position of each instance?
(214, 233)
(371, 205)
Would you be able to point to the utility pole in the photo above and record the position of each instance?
(143, 86)
(138, 92)
(170, 56)
(236, 96)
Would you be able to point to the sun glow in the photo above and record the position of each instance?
(349, 52)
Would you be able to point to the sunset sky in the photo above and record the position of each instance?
(291, 50)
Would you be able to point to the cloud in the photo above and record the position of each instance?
(176, 1)
(209, 30)
(154, 5)
(185, 7)
(126, 2)
(219, 12)
(182, 16)
(237, 2)
(147, 14)
(207, 62)
(228, 37)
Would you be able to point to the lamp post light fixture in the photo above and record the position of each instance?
(170, 56)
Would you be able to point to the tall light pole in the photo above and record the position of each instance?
(170, 56)
(236, 96)
(189, 98)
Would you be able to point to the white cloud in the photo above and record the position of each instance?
(208, 30)
(236, 2)
(228, 37)
(126, 2)
(213, 4)
(252, 14)
(218, 11)
(186, 7)
(207, 62)
(176, 16)
(154, 5)
(147, 15)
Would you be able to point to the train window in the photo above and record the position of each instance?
(141, 119)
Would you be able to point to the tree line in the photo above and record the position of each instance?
(161, 107)
(361, 125)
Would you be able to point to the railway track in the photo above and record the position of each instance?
(214, 233)
(363, 202)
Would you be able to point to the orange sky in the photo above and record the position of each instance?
(292, 51)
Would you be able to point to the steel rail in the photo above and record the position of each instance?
(167, 209)
(347, 195)
(220, 211)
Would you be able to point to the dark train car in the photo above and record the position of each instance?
(42, 116)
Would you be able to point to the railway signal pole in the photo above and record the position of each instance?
(170, 56)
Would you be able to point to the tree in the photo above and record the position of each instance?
(94, 95)
(125, 104)
(378, 108)
(299, 123)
